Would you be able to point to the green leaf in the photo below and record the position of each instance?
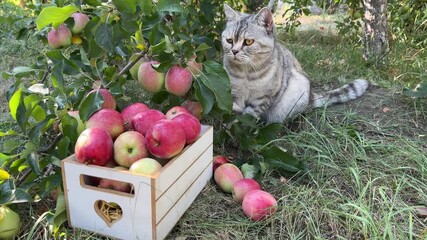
(55, 16)
(14, 102)
(90, 104)
(20, 72)
(281, 160)
(104, 37)
(60, 211)
(170, 6)
(5, 158)
(33, 162)
(268, 132)
(8, 133)
(202, 47)
(205, 96)
(127, 6)
(216, 79)
(420, 91)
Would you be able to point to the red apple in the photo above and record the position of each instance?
(194, 67)
(144, 120)
(130, 111)
(147, 166)
(109, 101)
(218, 161)
(243, 186)
(149, 78)
(226, 175)
(60, 37)
(108, 119)
(94, 146)
(175, 111)
(259, 205)
(165, 139)
(10, 223)
(191, 126)
(195, 108)
(129, 147)
(80, 21)
(178, 81)
(115, 184)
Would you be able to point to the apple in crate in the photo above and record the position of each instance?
(129, 147)
(108, 119)
(131, 111)
(178, 81)
(94, 146)
(218, 160)
(191, 126)
(147, 166)
(175, 111)
(149, 79)
(109, 101)
(226, 175)
(144, 120)
(259, 205)
(243, 186)
(114, 184)
(165, 139)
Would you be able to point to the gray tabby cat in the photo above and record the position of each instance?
(266, 79)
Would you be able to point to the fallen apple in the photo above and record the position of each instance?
(218, 161)
(129, 147)
(191, 126)
(115, 184)
(108, 119)
(10, 223)
(259, 205)
(175, 111)
(243, 186)
(142, 121)
(146, 166)
(130, 111)
(178, 81)
(94, 146)
(165, 139)
(149, 79)
(226, 175)
(60, 37)
(109, 101)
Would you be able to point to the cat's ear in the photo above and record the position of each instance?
(265, 19)
(230, 14)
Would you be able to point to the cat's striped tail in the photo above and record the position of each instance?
(343, 94)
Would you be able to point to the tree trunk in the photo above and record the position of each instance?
(376, 35)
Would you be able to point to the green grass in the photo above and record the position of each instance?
(366, 166)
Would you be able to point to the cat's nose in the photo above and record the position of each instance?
(235, 51)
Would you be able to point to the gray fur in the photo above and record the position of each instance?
(266, 79)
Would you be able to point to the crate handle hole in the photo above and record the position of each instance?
(110, 212)
(106, 184)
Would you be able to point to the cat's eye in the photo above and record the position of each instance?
(249, 42)
(229, 40)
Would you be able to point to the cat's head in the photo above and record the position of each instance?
(247, 38)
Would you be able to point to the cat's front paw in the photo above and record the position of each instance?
(251, 111)
(237, 109)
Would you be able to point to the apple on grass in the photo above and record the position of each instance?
(94, 146)
(60, 37)
(146, 166)
(10, 223)
(178, 81)
(129, 147)
(142, 121)
(165, 139)
(243, 186)
(218, 160)
(195, 108)
(259, 205)
(115, 184)
(108, 119)
(130, 111)
(226, 175)
(175, 111)
(191, 126)
(80, 21)
(109, 101)
(149, 79)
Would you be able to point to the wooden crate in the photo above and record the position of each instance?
(157, 202)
